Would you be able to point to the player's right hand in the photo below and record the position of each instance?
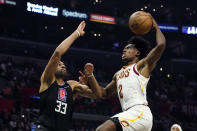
(155, 25)
(88, 69)
(81, 27)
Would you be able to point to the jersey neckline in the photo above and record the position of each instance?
(124, 67)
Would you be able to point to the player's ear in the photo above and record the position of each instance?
(137, 53)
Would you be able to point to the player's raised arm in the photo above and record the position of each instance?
(47, 76)
(149, 62)
(100, 92)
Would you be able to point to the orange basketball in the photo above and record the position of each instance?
(140, 22)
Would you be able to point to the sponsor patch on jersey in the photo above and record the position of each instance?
(62, 94)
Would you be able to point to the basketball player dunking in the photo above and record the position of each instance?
(130, 82)
(56, 94)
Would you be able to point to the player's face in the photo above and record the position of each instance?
(61, 70)
(129, 52)
(175, 128)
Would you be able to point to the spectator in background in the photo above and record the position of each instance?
(176, 127)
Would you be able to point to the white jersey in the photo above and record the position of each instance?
(131, 87)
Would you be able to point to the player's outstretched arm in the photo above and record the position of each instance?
(47, 77)
(99, 91)
(146, 65)
(81, 89)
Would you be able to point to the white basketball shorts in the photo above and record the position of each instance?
(137, 118)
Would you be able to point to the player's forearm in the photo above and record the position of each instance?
(65, 45)
(96, 88)
(160, 38)
(155, 54)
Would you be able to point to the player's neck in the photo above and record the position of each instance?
(132, 61)
(60, 81)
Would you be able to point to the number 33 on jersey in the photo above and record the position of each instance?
(61, 102)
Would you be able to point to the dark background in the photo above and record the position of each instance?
(28, 39)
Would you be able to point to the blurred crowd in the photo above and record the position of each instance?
(171, 99)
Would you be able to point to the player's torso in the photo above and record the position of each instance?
(131, 87)
(57, 106)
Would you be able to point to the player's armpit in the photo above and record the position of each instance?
(43, 87)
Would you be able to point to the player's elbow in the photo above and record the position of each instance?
(57, 54)
(161, 46)
(103, 95)
(100, 95)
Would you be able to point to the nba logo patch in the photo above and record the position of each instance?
(62, 94)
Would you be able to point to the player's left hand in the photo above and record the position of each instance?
(81, 27)
(88, 69)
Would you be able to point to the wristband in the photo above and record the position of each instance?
(90, 75)
(78, 33)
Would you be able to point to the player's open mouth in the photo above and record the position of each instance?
(123, 55)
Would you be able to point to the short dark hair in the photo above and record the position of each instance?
(141, 44)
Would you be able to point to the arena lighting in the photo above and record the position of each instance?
(2, 2)
(35, 97)
(116, 44)
(9, 2)
(102, 19)
(168, 75)
(192, 30)
(74, 14)
(170, 28)
(42, 9)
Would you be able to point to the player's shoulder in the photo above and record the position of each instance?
(44, 87)
(73, 84)
(115, 74)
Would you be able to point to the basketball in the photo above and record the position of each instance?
(140, 22)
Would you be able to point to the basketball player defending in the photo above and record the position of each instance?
(130, 82)
(56, 95)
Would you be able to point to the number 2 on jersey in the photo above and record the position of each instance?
(120, 91)
(61, 107)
